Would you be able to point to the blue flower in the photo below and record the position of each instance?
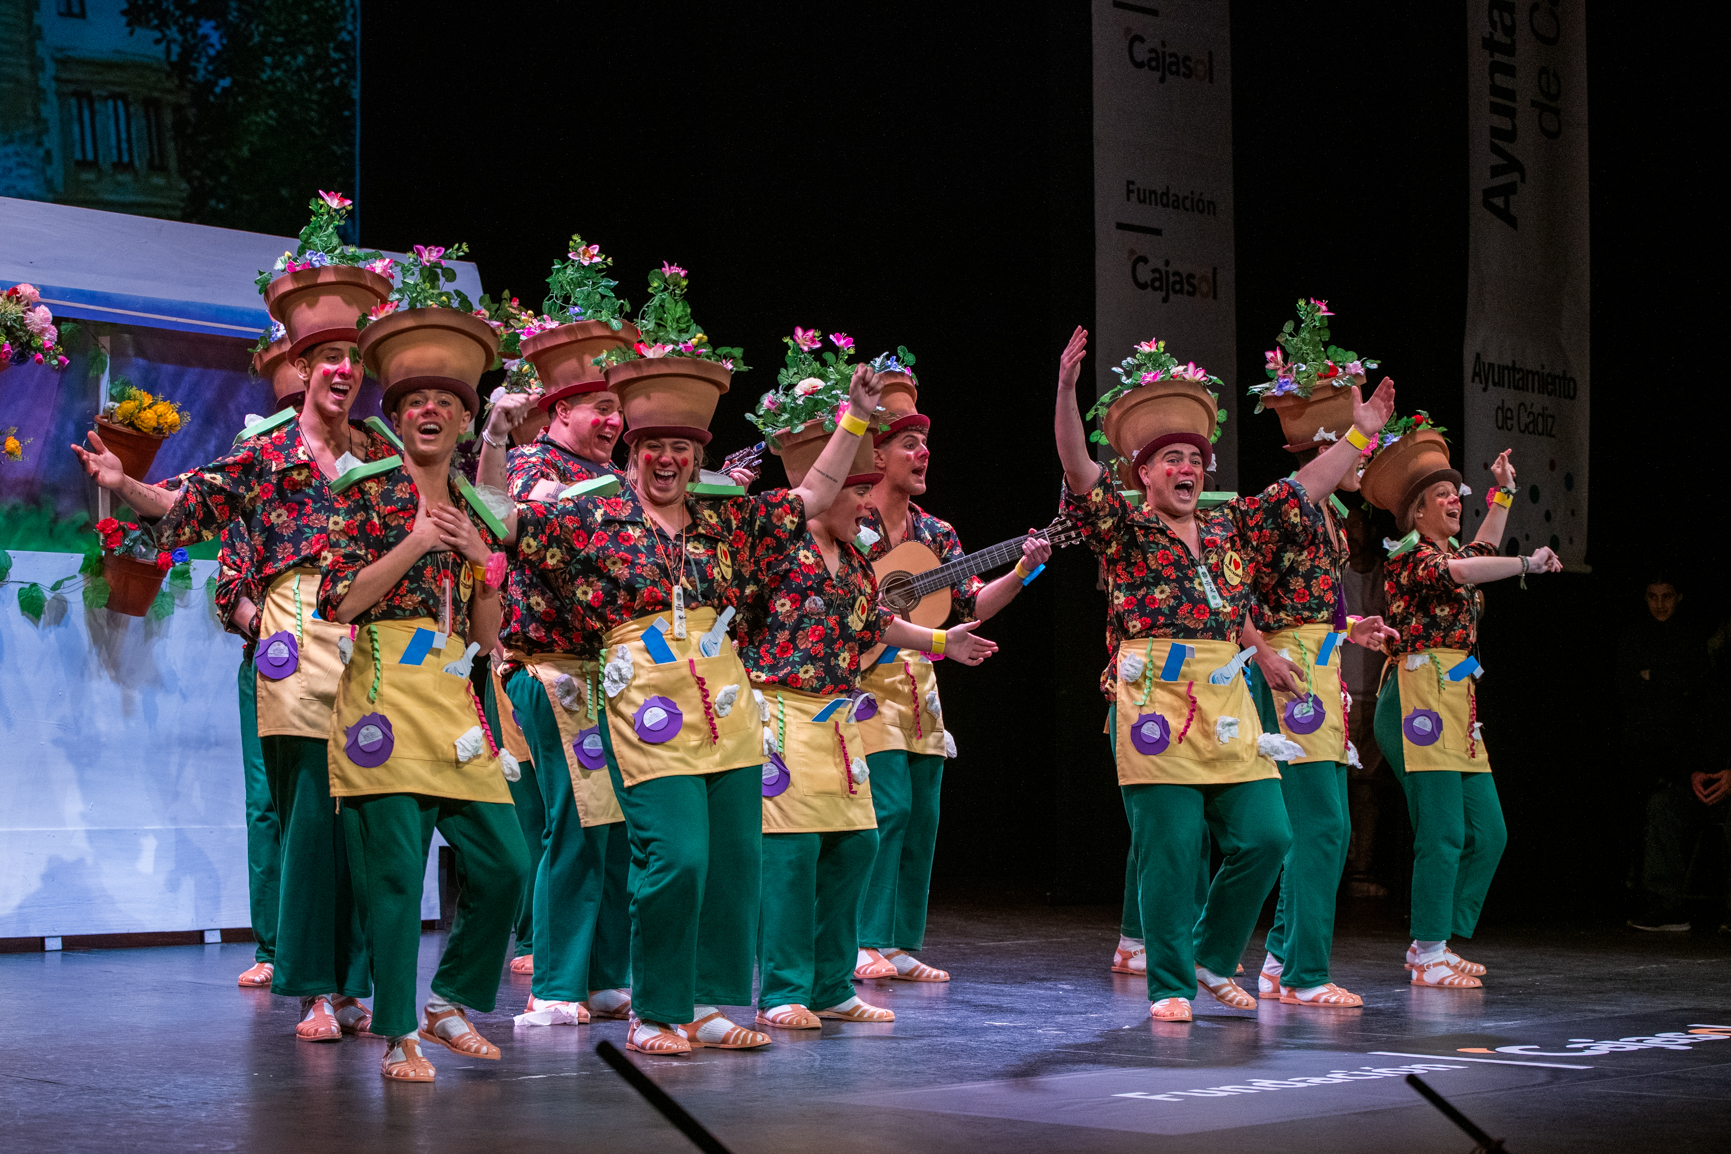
(277, 331)
(318, 259)
(1284, 385)
(575, 311)
(178, 556)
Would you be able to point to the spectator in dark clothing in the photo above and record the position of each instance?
(1668, 698)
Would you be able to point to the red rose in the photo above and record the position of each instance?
(164, 561)
(107, 525)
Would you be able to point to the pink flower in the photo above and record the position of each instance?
(1321, 307)
(383, 308)
(770, 404)
(1150, 377)
(38, 320)
(651, 351)
(807, 339)
(382, 266)
(335, 199)
(38, 358)
(587, 254)
(64, 362)
(1276, 362)
(671, 269)
(429, 254)
(1151, 345)
(1191, 372)
(841, 341)
(1355, 369)
(49, 336)
(6, 349)
(25, 293)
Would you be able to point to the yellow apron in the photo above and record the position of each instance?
(510, 735)
(296, 660)
(1427, 708)
(396, 725)
(816, 787)
(906, 686)
(579, 734)
(1302, 646)
(1170, 732)
(694, 727)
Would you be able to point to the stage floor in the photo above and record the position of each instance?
(1034, 1046)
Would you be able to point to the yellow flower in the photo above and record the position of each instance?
(124, 413)
(13, 449)
(171, 422)
(145, 420)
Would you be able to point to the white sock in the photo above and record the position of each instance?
(307, 1004)
(787, 1009)
(350, 1014)
(1309, 993)
(1209, 977)
(1429, 953)
(1129, 945)
(714, 1030)
(1272, 965)
(903, 961)
(609, 1001)
(844, 1007)
(450, 1027)
(647, 1030)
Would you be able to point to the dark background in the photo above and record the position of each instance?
(922, 175)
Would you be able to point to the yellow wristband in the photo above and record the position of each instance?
(1502, 498)
(853, 424)
(1355, 438)
(1021, 572)
(937, 641)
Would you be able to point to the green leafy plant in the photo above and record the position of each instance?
(1148, 364)
(321, 243)
(668, 328)
(900, 361)
(421, 284)
(579, 289)
(813, 386)
(1312, 360)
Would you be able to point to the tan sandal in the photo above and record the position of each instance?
(873, 965)
(736, 1038)
(623, 1013)
(319, 1024)
(1170, 1010)
(1457, 963)
(920, 971)
(1228, 993)
(862, 1012)
(523, 964)
(1124, 961)
(1332, 997)
(1442, 976)
(789, 1017)
(664, 1042)
(412, 1066)
(1268, 987)
(258, 975)
(361, 1027)
(468, 1042)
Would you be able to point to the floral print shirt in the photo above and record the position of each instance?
(800, 626)
(1425, 604)
(535, 619)
(1297, 556)
(609, 564)
(368, 520)
(1154, 587)
(236, 578)
(271, 485)
(940, 537)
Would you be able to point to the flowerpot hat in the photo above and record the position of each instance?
(668, 396)
(900, 395)
(1316, 421)
(430, 348)
(1310, 381)
(800, 451)
(1399, 473)
(318, 305)
(1169, 411)
(564, 357)
(273, 363)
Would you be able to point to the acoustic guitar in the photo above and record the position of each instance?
(914, 584)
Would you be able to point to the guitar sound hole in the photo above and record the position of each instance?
(896, 593)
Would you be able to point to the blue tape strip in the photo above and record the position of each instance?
(889, 655)
(1464, 669)
(1029, 579)
(656, 642)
(1175, 658)
(1328, 644)
(824, 713)
(419, 646)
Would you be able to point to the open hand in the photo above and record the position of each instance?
(1280, 673)
(863, 392)
(1371, 632)
(1503, 469)
(1070, 360)
(960, 644)
(101, 464)
(426, 532)
(1544, 560)
(1370, 416)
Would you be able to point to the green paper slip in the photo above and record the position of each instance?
(705, 489)
(603, 486)
(377, 425)
(362, 472)
(258, 428)
(1211, 499)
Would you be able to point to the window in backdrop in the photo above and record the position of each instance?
(120, 114)
(72, 8)
(155, 137)
(84, 128)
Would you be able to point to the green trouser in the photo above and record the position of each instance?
(813, 885)
(263, 828)
(389, 836)
(696, 874)
(905, 794)
(1316, 804)
(1130, 922)
(320, 948)
(532, 819)
(1457, 833)
(582, 904)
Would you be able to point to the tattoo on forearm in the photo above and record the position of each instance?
(824, 475)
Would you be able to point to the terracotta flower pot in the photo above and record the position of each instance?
(136, 450)
(668, 391)
(318, 301)
(1396, 475)
(563, 356)
(272, 364)
(1327, 407)
(132, 584)
(800, 451)
(431, 342)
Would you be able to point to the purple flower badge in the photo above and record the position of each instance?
(278, 655)
(369, 741)
(1151, 734)
(1422, 726)
(657, 720)
(775, 776)
(587, 746)
(1304, 715)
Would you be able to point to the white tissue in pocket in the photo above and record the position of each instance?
(462, 665)
(933, 706)
(858, 770)
(769, 745)
(1131, 667)
(569, 693)
(512, 767)
(617, 675)
(762, 705)
(949, 744)
(1226, 729)
(471, 745)
(1277, 747)
(345, 649)
(725, 699)
(1415, 661)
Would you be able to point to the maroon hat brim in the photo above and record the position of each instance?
(581, 388)
(1195, 440)
(322, 337)
(911, 421)
(853, 479)
(462, 390)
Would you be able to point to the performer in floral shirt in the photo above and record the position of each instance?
(647, 572)
(810, 612)
(411, 566)
(1427, 713)
(907, 740)
(276, 484)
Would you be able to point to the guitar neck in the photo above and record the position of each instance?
(950, 572)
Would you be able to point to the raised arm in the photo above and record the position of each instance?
(1323, 474)
(823, 482)
(104, 467)
(1081, 470)
(1497, 516)
(957, 642)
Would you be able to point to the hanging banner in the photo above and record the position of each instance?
(1525, 364)
(1163, 192)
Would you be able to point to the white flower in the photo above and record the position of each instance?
(471, 745)
(569, 693)
(933, 706)
(1226, 730)
(807, 387)
(617, 675)
(725, 699)
(512, 767)
(496, 395)
(1131, 668)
